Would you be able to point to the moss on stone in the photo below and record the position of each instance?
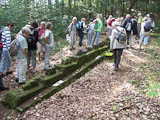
(12, 98)
(50, 71)
(67, 68)
(32, 82)
(49, 80)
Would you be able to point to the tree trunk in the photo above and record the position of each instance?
(112, 7)
(132, 3)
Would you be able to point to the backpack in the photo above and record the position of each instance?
(111, 21)
(128, 26)
(42, 39)
(147, 27)
(31, 36)
(96, 26)
(14, 48)
(121, 36)
(79, 25)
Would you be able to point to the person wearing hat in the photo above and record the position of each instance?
(72, 32)
(140, 20)
(115, 45)
(148, 18)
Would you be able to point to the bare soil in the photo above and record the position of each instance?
(101, 94)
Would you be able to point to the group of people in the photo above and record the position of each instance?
(123, 33)
(31, 41)
(93, 30)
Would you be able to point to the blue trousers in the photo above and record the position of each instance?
(5, 61)
(144, 38)
(81, 36)
(96, 37)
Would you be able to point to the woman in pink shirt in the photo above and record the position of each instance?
(40, 44)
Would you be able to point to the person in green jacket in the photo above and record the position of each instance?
(140, 20)
(98, 29)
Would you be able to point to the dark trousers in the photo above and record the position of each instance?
(128, 37)
(81, 35)
(117, 56)
(1, 83)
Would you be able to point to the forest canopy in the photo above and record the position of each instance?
(60, 12)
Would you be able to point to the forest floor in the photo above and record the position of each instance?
(132, 93)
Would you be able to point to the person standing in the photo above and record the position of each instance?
(144, 34)
(5, 57)
(115, 45)
(80, 26)
(49, 44)
(134, 32)
(32, 45)
(149, 18)
(72, 32)
(140, 20)
(98, 30)
(41, 42)
(107, 25)
(128, 27)
(90, 33)
(22, 54)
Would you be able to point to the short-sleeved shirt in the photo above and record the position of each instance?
(22, 44)
(49, 35)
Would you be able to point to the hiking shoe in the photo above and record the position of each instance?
(2, 75)
(22, 83)
(10, 72)
(17, 79)
(115, 69)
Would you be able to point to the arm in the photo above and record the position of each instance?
(24, 51)
(6, 38)
(70, 28)
(142, 28)
(124, 24)
(47, 41)
(112, 40)
(46, 37)
(24, 46)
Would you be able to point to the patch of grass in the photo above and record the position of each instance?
(115, 107)
(135, 82)
(151, 83)
(143, 65)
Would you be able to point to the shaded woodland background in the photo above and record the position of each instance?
(60, 12)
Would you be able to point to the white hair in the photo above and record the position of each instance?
(43, 23)
(115, 24)
(99, 16)
(28, 26)
(139, 14)
(110, 16)
(74, 18)
(26, 30)
(128, 16)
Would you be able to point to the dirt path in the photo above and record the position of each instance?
(56, 58)
(101, 94)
